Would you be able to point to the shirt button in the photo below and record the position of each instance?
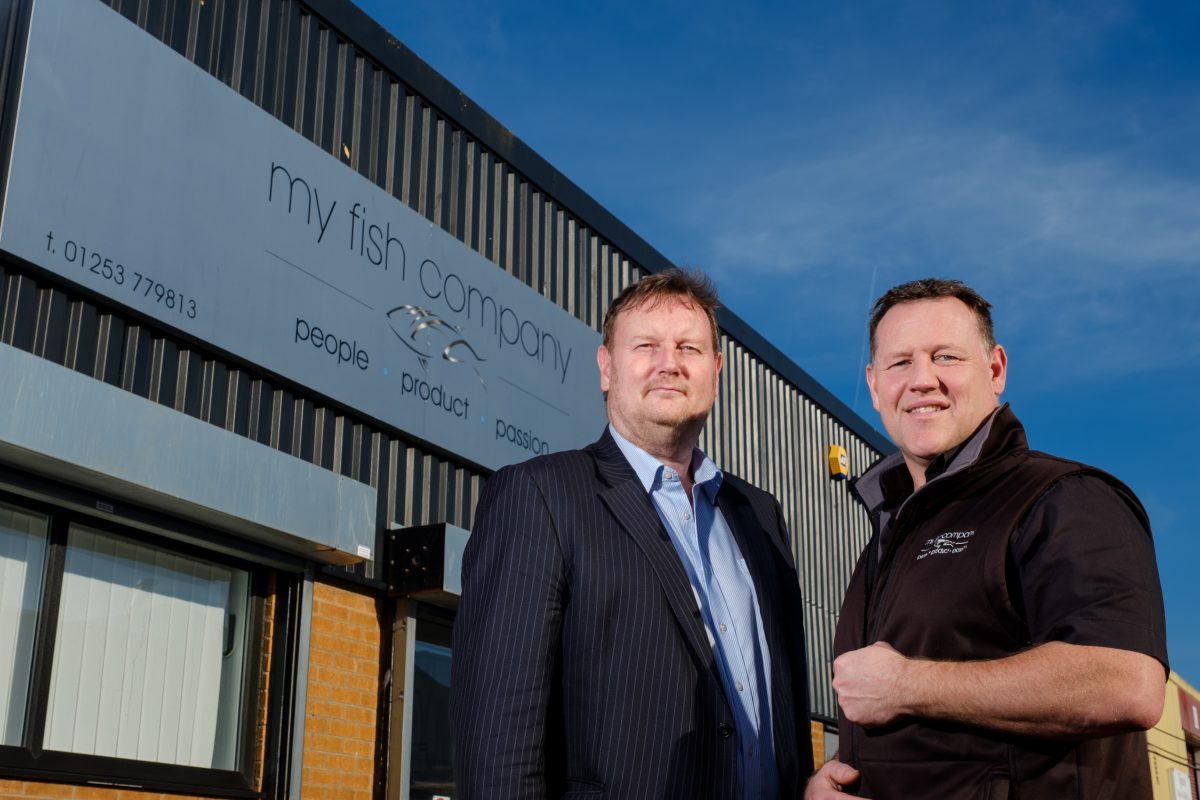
(725, 730)
(687, 515)
(750, 753)
(721, 625)
(739, 688)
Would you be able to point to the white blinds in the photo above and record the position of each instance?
(137, 670)
(22, 558)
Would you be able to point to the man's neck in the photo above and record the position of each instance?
(925, 470)
(917, 471)
(672, 447)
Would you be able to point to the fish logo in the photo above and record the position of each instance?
(430, 337)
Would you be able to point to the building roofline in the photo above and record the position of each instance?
(384, 48)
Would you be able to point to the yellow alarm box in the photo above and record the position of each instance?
(839, 463)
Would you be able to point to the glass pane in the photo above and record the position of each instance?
(149, 653)
(22, 559)
(432, 752)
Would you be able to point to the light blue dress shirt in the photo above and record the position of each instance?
(728, 604)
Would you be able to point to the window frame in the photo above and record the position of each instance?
(434, 626)
(65, 507)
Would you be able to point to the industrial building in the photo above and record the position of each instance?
(1174, 743)
(275, 300)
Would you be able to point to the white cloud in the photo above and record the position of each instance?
(962, 200)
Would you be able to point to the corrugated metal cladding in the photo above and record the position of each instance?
(287, 59)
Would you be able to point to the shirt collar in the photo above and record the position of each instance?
(649, 469)
(888, 483)
(956, 459)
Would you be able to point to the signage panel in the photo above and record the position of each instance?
(141, 177)
(1189, 714)
(1181, 786)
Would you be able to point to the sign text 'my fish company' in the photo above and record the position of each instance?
(330, 221)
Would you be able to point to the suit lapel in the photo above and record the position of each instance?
(626, 499)
(753, 541)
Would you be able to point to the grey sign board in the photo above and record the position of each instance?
(141, 177)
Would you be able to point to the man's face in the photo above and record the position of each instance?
(660, 370)
(932, 378)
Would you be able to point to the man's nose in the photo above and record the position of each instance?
(923, 375)
(668, 360)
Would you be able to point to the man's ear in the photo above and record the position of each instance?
(604, 362)
(871, 385)
(998, 364)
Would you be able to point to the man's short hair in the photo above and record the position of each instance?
(692, 286)
(934, 289)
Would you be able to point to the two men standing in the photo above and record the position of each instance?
(631, 621)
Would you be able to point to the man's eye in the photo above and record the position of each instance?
(898, 364)
(945, 357)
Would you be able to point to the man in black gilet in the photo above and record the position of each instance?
(1003, 633)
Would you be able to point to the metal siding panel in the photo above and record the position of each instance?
(163, 366)
(470, 192)
(523, 230)
(135, 361)
(177, 27)
(258, 411)
(425, 167)
(238, 46)
(214, 408)
(496, 209)
(237, 404)
(15, 297)
(486, 208)
(455, 184)
(50, 339)
(391, 133)
(82, 337)
(572, 269)
(325, 98)
(439, 173)
(357, 116)
(507, 229)
(554, 288)
(189, 383)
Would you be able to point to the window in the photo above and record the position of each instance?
(22, 556)
(142, 668)
(432, 753)
(126, 657)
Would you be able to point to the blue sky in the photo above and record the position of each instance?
(811, 155)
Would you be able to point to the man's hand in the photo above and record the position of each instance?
(870, 684)
(827, 782)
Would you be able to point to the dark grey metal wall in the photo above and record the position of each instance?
(331, 74)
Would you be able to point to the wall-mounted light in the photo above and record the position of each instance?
(839, 463)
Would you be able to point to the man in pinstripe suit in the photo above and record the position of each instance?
(630, 624)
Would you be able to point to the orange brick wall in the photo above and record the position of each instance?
(264, 684)
(344, 690)
(818, 743)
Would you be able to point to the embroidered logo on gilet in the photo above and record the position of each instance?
(946, 544)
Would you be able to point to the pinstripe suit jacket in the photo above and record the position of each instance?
(581, 667)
